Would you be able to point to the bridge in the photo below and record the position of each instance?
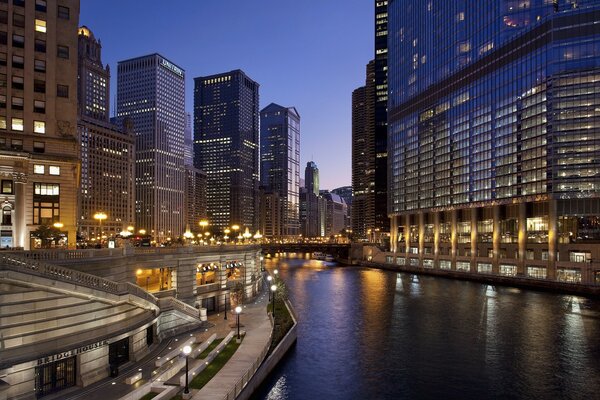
(338, 250)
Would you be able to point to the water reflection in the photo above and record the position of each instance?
(369, 334)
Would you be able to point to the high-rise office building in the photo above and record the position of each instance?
(107, 151)
(280, 161)
(333, 213)
(195, 198)
(226, 140)
(311, 177)
(345, 192)
(188, 141)
(39, 152)
(309, 202)
(380, 83)
(493, 136)
(151, 94)
(364, 156)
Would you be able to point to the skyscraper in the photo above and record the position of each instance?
(280, 161)
(380, 82)
(226, 140)
(309, 202)
(363, 156)
(151, 94)
(107, 151)
(493, 140)
(311, 177)
(38, 120)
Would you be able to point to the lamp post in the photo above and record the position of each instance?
(247, 235)
(225, 305)
(100, 216)
(226, 237)
(273, 289)
(275, 272)
(186, 350)
(238, 310)
(235, 228)
(203, 223)
(269, 279)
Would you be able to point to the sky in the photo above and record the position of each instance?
(310, 54)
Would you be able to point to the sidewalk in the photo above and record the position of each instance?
(253, 319)
(255, 322)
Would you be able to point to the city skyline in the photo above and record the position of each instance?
(326, 71)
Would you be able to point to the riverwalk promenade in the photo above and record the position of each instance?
(254, 322)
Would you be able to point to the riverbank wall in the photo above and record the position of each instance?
(514, 281)
(274, 358)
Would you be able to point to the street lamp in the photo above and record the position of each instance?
(269, 279)
(273, 289)
(58, 225)
(186, 350)
(247, 235)
(203, 223)
(226, 231)
(225, 295)
(235, 228)
(275, 272)
(100, 216)
(142, 231)
(238, 310)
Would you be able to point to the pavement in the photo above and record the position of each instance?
(253, 320)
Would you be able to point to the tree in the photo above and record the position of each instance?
(47, 234)
(282, 293)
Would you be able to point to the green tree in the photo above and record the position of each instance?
(47, 234)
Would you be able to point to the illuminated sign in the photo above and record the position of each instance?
(71, 353)
(171, 67)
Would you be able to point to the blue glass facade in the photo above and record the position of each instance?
(493, 114)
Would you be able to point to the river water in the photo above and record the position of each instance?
(371, 334)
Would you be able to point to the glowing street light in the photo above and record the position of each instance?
(273, 289)
(247, 235)
(203, 224)
(186, 351)
(238, 311)
(100, 216)
(142, 231)
(269, 279)
(58, 225)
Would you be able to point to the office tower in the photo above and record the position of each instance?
(271, 208)
(345, 192)
(380, 82)
(311, 177)
(38, 119)
(226, 139)
(364, 156)
(493, 140)
(195, 198)
(280, 161)
(151, 94)
(189, 141)
(333, 213)
(107, 151)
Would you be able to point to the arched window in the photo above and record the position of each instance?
(6, 215)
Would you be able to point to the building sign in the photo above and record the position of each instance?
(171, 67)
(71, 353)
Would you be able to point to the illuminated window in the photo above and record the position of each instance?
(39, 169)
(2, 122)
(39, 126)
(40, 25)
(54, 170)
(17, 124)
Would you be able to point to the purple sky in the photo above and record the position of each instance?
(309, 54)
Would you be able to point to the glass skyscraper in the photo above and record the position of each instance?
(280, 161)
(151, 94)
(226, 139)
(494, 152)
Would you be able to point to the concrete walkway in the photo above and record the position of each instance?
(254, 320)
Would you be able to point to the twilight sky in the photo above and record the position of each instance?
(309, 54)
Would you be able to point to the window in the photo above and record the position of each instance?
(508, 270)
(3, 38)
(54, 170)
(39, 126)
(19, 20)
(39, 86)
(62, 52)
(40, 5)
(3, 17)
(18, 82)
(20, 3)
(536, 272)
(39, 169)
(2, 58)
(62, 91)
(39, 147)
(18, 41)
(2, 80)
(7, 187)
(17, 103)
(63, 12)
(3, 101)
(39, 106)
(40, 25)
(46, 203)
(16, 144)
(18, 61)
(39, 65)
(40, 46)
(17, 124)
(3, 121)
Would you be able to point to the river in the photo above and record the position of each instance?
(371, 334)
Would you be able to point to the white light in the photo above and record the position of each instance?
(238, 309)
(187, 350)
(273, 288)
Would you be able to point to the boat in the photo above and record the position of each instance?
(317, 255)
(329, 258)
